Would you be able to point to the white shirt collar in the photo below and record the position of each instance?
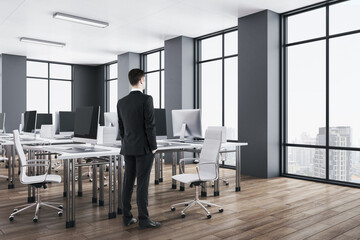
(136, 89)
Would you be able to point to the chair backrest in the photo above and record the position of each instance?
(210, 153)
(223, 132)
(21, 155)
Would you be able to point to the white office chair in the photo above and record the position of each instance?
(207, 170)
(35, 181)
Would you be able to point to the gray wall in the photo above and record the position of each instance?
(126, 62)
(13, 90)
(179, 76)
(89, 87)
(259, 84)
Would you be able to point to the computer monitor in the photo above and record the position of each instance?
(186, 123)
(66, 122)
(2, 122)
(160, 122)
(111, 120)
(29, 121)
(86, 124)
(43, 119)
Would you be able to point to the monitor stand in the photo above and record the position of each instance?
(182, 133)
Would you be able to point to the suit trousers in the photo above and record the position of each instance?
(138, 167)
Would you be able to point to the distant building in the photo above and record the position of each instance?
(339, 160)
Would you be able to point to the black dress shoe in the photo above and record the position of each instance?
(131, 221)
(148, 224)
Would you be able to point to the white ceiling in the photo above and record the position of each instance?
(135, 25)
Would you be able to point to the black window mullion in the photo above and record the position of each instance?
(223, 80)
(48, 87)
(160, 79)
(327, 95)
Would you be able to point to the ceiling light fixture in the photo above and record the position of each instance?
(82, 20)
(43, 42)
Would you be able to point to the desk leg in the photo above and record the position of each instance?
(11, 168)
(157, 168)
(94, 189)
(120, 183)
(31, 190)
(112, 186)
(70, 196)
(80, 192)
(161, 159)
(66, 177)
(238, 165)
(174, 163)
(101, 185)
(203, 189)
(180, 155)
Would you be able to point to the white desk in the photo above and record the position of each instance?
(68, 154)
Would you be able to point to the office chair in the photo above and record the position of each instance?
(35, 181)
(207, 170)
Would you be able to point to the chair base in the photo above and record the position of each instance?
(196, 201)
(38, 204)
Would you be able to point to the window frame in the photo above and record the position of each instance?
(143, 59)
(48, 79)
(284, 95)
(198, 63)
(107, 81)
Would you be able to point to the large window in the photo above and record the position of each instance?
(321, 82)
(153, 65)
(217, 77)
(111, 86)
(48, 86)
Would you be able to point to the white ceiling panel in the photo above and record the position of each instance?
(136, 26)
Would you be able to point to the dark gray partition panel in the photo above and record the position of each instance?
(88, 86)
(13, 89)
(179, 76)
(259, 97)
(126, 62)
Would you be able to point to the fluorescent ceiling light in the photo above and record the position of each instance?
(44, 42)
(82, 20)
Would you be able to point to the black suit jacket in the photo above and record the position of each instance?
(137, 124)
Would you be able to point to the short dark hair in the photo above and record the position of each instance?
(135, 75)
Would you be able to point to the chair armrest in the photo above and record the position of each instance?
(183, 160)
(205, 163)
(46, 164)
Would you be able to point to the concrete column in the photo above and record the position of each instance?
(126, 62)
(259, 93)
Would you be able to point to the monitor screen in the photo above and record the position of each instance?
(67, 121)
(86, 122)
(43, 119)
(29, 121)
(186, 123)
(160, 122)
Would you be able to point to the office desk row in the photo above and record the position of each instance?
(111, 155)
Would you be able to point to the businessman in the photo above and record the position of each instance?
(138, 134)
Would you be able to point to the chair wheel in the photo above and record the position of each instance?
(227, 184)
(209, 205)
(221, 210)
(183, 215)
(60, 213)
(208, 216)
(15, 210)
(90, 180)
(11, 218)
(61, 207)
(35, 219)
(172, 209)
(186, 205)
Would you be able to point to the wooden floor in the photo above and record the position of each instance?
(279, 208)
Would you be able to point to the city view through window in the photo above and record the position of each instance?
(322, 83)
